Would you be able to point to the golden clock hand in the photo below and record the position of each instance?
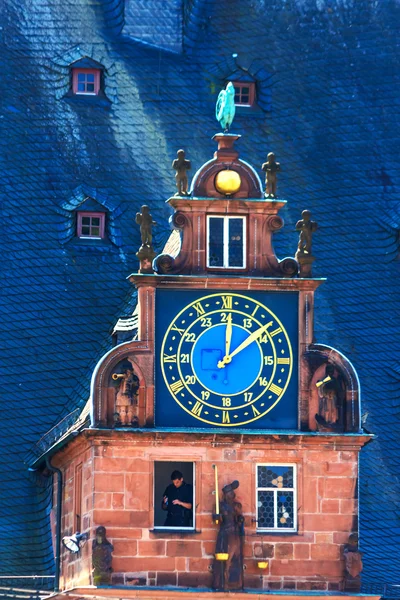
(249, 340)
(228, 334)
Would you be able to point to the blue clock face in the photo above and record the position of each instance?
(226, 360)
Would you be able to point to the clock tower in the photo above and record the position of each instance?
(222, 390)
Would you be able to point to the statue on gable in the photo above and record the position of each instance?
(225, 107)
(181, 166)
(304, 256)
(271, 168)
(228, 563)
(353, 563)
(126, 400)
(330, 395)
(146, 251)
(101, 558)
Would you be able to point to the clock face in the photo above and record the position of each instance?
(226, 359)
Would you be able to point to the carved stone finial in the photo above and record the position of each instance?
(271, 168)
(181, 166)
(146, 252)
(225, 107)
(101, 558)
(304, 257)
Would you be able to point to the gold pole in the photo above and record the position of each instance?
(216, 493)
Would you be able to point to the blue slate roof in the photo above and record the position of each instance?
(327, 75)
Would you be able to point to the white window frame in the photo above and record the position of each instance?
(226, 219)
(155, 500)
(276, 490)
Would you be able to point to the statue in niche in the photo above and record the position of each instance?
(228, 574)
(126, 400)
(306, 228)
(181, 166)
(145, 220)
(101, 558)
(330, 392)
(353, 563)
(271, 168)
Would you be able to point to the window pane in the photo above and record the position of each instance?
(245, 99)
(216, 242)
(85, 230)
(81, 76)
(237, 97)
(265, 509)
(236, 242)
(95, 231)
(81, 87)
(275, 476)
(285, 510)
(85, 220)
(245, 90)
(96, 221)
(90, 87)
(90, 77)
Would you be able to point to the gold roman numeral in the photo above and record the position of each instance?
(226, 302)
(168, 359)
(197, 408)
(275, 332)
(225, 417)
(175, 328)
(255, 411)
(275, 389)
(255, 310)
(199, 309)
(283, 361)
(177, 386)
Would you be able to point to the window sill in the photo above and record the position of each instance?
(167, 532)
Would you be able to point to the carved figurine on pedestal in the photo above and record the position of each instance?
(271, 168)
(101, 558)
(303, 254)
(126, 399)
(353, 563)
(329, 417)
(228, 574)
(146, 252)
(181, 166)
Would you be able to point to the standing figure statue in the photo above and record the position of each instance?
(330, 408)
(101, 558)
(145, 220)
(126, 399)
(353, 563)
(181, 165)
(306, 228)
(271, 168)
(225, 107)
(228, 574)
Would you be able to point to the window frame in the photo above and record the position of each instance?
(226, 219)
(276, 529)
(81, 215)
(239, 85)
(77, 71)
(164, 528)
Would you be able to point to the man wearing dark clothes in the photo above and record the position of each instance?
(178, 501)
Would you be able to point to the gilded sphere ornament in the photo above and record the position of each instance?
(227, 182)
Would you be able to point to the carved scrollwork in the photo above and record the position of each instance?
(289, 267)
(179, 220)
(274, 223)
(163, 264)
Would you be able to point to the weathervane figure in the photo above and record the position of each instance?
(225, 107)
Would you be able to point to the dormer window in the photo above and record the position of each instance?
(245, 93)
(226, 242)
(90, 225)
(86, 81)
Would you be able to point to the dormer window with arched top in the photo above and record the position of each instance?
(226, 247)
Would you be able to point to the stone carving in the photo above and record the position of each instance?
(101, 558)
(304, 257)
(146, 252)
(228, 574)
(330, 409)
(181, 166)
(225, 107)
(271, 168)
(353, 563)
(126, 400)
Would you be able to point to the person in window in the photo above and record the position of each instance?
(178, 501)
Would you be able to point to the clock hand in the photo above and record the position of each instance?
(228, 334)
(249, 340)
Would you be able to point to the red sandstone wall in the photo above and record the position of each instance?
(119, 489)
